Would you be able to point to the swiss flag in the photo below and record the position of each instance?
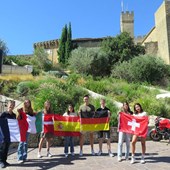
(133, 124)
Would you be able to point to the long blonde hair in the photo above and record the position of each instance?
(47, 110)
(29, 108)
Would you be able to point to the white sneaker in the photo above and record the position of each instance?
(49, 154)
(99, 153)
(20, 161)
(142, 160)
(111, 154)
(81, 153)
(66, 155)
(119, 158)
(72, 153)
(39, 155)
(132, 160)
(93, 153)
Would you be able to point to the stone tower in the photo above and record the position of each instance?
(127, 22)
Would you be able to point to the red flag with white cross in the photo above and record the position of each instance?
(137, 125)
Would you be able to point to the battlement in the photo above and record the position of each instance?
(127, 16)
(127, 12)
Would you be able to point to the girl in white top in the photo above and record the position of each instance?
(68, 140)
(138, 111)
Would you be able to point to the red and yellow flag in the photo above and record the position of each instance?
(94, 124)
(66, 125)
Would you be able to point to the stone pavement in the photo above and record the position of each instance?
(157, 158)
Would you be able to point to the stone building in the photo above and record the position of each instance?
(52, 46)
(156, 42)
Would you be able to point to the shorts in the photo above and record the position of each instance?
(101, 134)
(46, 135)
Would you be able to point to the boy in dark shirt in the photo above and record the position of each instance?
(103, 111)
(4, 145)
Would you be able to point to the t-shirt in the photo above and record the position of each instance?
(87, 111)
(4, 126)
(7, 115)
(72, 114)
(102, 112)
(141, 114)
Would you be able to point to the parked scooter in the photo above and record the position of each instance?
(161, 130)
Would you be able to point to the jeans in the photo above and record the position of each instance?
(22, 149)
(123, 136)
(68, 141)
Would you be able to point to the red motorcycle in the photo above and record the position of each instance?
(161, 130)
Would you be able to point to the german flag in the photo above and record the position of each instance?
(94, 124)
(66, 125)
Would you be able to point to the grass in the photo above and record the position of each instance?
(16, 77)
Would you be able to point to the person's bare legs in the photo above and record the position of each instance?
(40, 147)
(91, 140)
(48, 143)
(134, 140)
(108, 145)
(92, 143)
(40, 144)
(143, 143)
(100, 144)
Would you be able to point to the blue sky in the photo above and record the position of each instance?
(24, 22)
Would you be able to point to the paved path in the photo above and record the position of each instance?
(157, 158)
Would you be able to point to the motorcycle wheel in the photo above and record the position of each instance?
(154, 136)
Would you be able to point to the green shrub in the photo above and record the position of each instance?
(89, 61)
(142, 69)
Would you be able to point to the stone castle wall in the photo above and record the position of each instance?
(151, 48)
(162, 32)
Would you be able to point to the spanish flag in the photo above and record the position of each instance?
(66, 125)
(94, 124)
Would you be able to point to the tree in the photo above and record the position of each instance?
(4, 47)
(41, 60)
(121, 48)
(62, 44)
(89, 61)
(68, 43)
(65, 44)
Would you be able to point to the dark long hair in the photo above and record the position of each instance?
(139, 106)
(128, 107)
(70, 105)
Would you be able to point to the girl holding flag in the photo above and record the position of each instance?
(124, 136)
(23, 125)
(138, 111)
(68, 140)
(47, 136)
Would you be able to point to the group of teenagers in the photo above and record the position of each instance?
(85, 108)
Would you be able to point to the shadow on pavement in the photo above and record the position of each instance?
(48, 163)
(165, 159)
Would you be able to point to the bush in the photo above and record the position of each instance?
(89, 61)
(142, 69)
